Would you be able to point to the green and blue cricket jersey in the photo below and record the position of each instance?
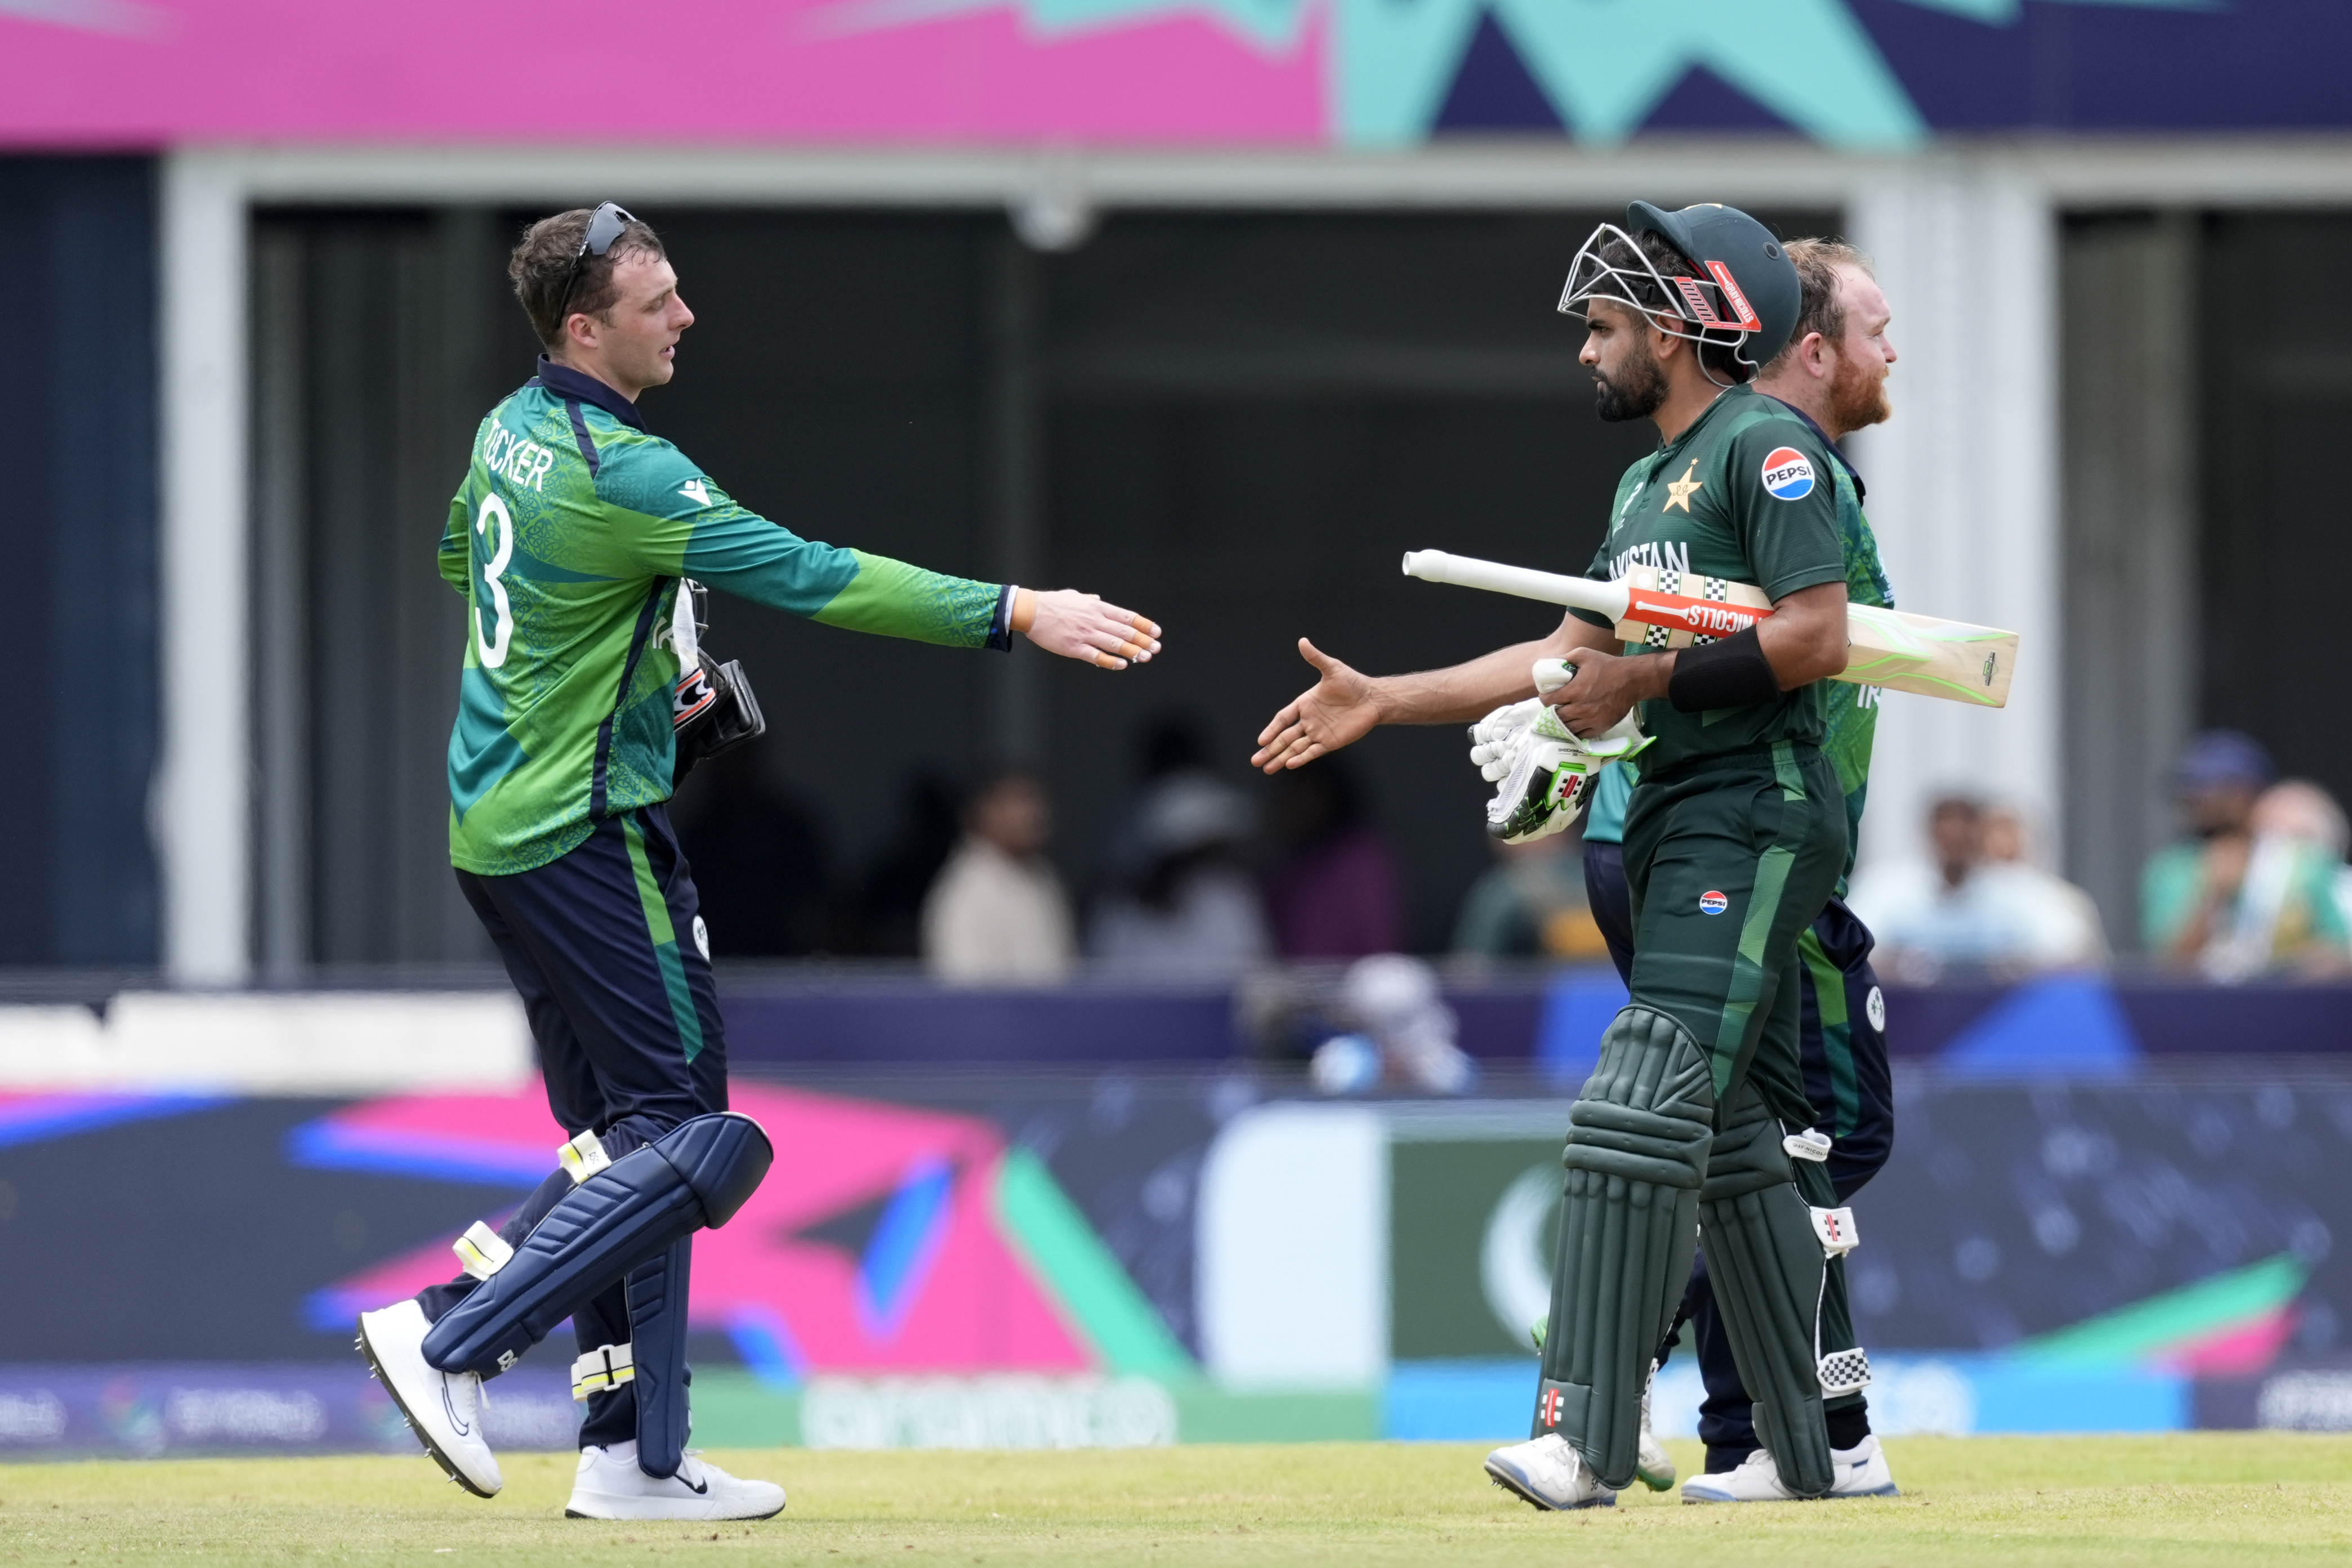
(568, 539)
(1849, 713)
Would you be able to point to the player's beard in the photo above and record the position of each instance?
(1637, 392)
(1857, 397)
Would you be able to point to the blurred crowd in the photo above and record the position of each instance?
(2255, 886)
(1201, 879)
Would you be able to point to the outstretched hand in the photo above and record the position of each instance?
(1081, 626)
(1338, 710)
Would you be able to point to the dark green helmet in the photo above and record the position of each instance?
(1741, 292)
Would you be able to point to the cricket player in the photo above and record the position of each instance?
(570, 540)
(1833, 375)
(1734, 840)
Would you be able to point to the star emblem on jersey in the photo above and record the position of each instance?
(1680, 491)
(695, 491)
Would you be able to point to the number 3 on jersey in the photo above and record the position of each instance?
(493, 650)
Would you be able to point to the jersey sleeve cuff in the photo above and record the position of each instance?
(1796, 581)
(1000, 626)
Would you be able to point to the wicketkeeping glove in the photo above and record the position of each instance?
(1544, 771)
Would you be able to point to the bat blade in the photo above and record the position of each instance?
(1935, 658)
(1954, 659)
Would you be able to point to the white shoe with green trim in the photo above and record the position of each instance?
(1549, 1473)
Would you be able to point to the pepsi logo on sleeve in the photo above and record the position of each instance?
(1788, 473)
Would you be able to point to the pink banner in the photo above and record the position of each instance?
(151, 73)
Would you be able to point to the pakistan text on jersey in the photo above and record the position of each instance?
(1666, 555)
(520, 462)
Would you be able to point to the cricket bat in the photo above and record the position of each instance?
(1665, 609)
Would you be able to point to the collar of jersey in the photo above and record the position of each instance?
(1679, 442)
(565, 382)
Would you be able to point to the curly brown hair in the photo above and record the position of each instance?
(541, 261)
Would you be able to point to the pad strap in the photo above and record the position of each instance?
(481, 1251)
(602, 1370)
(1812, 1144)
(1845, 1372)
(1836, 1228)
(583, 1157)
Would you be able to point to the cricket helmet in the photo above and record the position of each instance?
(1742, 291)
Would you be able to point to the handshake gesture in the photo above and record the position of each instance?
(1543, 772)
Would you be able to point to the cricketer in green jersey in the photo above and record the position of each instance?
(571, 540)
(1832, 374)
(1736, 836)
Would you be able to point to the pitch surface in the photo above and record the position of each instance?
(2206, 1497)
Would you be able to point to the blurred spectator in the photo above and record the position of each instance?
(1180, 905)
(1530, 903)
(1404, 1030)
(2241, 896)
(1958, 914)
(1170, 747)
(2068, 932)
(2301, 810)
(890, 898)
(997, 914)
(759, 862)
(1332, 892)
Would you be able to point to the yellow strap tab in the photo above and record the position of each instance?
(606, 1367)
(481, 1251)
(583, 1157)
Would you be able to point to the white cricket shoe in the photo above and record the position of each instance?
(1651, 1462)
(610, 1486)
(1549, 1473)
(1860, 1471)
(444, 1409)
(1863, 1472)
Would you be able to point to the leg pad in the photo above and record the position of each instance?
(1637, 1144)
(1766, 1260)
(629, 1213)
(657, 1290)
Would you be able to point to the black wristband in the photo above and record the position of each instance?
(1733, 673)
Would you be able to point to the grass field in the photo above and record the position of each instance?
(2191, 1498)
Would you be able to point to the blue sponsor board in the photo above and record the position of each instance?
(158, 1410)
(1954, 1395)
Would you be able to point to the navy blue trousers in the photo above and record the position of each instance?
(606, 947)
(1846, 1079)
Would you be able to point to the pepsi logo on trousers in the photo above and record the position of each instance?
(1788, 473)
(1713, 902)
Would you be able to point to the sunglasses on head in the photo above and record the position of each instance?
(607, 223)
